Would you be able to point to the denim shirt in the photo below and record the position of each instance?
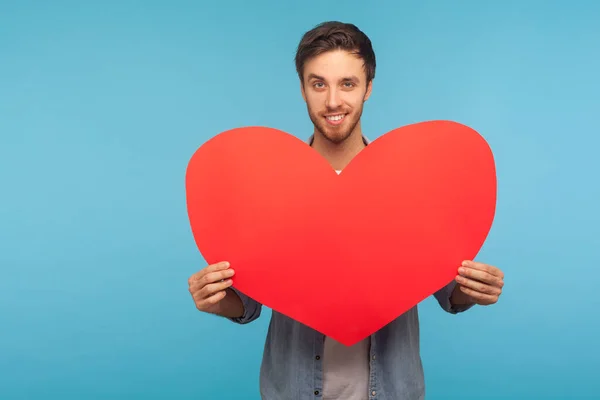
(292, 369)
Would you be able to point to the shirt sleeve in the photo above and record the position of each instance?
(443, 297)
(252, 308)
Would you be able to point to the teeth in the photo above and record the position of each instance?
(335, 117)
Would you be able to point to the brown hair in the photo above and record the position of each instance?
(334, 35)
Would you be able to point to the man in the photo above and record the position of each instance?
(336, 67)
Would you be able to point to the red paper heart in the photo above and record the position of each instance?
(344, 254)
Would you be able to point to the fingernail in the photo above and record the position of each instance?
(461, 270)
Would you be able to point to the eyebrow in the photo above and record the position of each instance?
(344, 79)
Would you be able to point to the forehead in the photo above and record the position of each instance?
(334, 65)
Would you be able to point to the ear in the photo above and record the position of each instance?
(369, 89)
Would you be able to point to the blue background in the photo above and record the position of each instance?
(103, 103)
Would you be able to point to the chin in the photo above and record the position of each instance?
(336, 137)
(337, 134)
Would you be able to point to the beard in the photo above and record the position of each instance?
(335, 134)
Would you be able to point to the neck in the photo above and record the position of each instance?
(339, 155)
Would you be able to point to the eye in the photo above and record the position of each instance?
(318, 85)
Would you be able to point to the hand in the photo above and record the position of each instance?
(482, 283)
(208, 287)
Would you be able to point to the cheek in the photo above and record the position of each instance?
(359, 99)
(314, 101)
(354, 100)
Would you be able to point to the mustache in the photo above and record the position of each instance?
(335, 111)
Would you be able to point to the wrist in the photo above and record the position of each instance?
(231, 305)
(459, 298)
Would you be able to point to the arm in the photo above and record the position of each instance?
(450, 299)
(230, 306)
(458, 298)
(241, 309)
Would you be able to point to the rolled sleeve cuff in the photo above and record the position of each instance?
(252, 308)
(443, 296)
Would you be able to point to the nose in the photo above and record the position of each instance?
(333, 99)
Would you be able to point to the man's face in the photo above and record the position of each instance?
(335, 89)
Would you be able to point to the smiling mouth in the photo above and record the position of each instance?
(335, 119)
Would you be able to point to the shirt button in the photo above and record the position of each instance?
(316, 392)
(318, 357)
(373, 393)
(373, 357)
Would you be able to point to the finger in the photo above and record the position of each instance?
(479, 286)
(209, 279)
(481, 276)
(490, 269)
(480, 298)
(212, 300)
(211, 268)
(215, 277)
(209, 290)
